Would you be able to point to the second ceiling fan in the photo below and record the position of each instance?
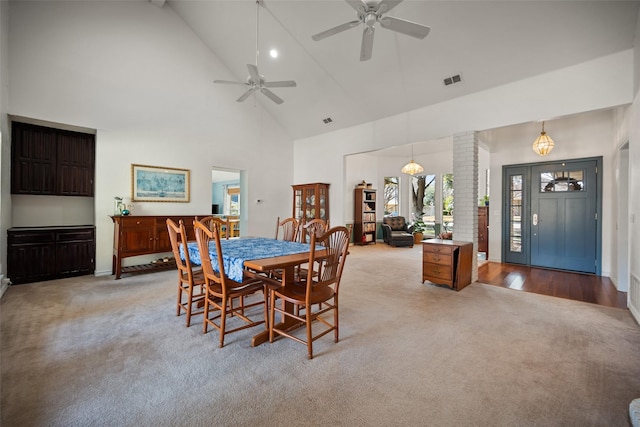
(368, 14)
(256, 82)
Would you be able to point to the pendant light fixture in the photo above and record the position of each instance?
(412, 167)
(543, 144)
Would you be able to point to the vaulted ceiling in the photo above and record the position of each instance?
(487, 43)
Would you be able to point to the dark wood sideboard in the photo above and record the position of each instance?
(45, 253)
(135, 235)
(447, 262)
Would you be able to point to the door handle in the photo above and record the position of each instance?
(535, 219)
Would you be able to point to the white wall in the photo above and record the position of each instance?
(139, 76)
(602, 83)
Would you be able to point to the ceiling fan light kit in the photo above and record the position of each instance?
(369, 14)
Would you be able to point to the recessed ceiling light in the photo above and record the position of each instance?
(273, 53)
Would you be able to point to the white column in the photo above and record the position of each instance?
(465, 192)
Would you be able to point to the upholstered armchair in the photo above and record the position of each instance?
(396, 231)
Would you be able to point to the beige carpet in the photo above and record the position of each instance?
(96, 351)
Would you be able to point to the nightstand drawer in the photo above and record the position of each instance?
(437, 249)
(437, 273)
(436, 258)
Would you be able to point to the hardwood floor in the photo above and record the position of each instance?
(576, 286)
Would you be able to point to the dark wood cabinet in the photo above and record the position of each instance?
(483, 230)
(33, 159)
(75, 163)
(75, 252)
(364, 221)
(144, 235)
(45, 253)
(48, 161)
(311, 201)
(447, 262)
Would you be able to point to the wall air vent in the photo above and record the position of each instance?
(327, 120)
(453, 79)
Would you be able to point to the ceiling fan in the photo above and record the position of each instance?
(368, 14)
(256, 82)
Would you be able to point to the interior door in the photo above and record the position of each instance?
(563, 220)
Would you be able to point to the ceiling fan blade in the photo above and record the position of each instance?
(229, 82)
(253, 72)
(386, 5)
(335, 30)
(272, 96)
(284, 83)
(245, 95)
(405, 27)
(367, 43)
(358, 5)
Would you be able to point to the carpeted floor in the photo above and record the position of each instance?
(96, 351)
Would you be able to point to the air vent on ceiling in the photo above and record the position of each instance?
(453, 79)
(327, 120)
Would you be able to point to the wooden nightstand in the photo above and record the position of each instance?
(447, 262)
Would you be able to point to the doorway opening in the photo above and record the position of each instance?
(226, 191)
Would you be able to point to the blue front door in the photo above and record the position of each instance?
(560, 209)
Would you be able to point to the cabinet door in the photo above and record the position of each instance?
(75, 252)
(137, 236)
(31, 255)
(75, 163)
(31, 262)
(33, 159)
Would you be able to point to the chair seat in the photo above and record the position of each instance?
(235, 288)
(296, 293)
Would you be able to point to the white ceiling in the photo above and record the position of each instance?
(487, 43)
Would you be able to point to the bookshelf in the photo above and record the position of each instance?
(364, 227)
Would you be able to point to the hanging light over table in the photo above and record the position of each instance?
(543, 144)
(412, 167)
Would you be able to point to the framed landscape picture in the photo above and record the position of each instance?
(159, 184)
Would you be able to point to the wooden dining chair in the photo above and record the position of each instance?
(190, 279)
(220, 290)
(286, 229)
(315, 226)
(223, 224)
(317, 295)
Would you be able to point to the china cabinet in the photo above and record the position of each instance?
(311, 201)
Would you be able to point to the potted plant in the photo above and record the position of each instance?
(419, 227)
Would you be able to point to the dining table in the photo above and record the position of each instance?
(259, 255)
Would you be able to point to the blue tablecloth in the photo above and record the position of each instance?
(236, 251)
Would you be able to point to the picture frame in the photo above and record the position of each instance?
(159, 184)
